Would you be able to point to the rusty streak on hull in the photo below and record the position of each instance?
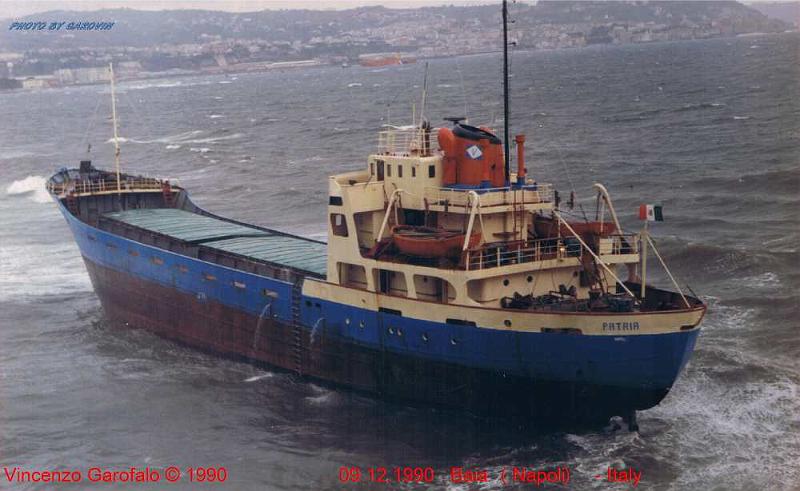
(262, 340)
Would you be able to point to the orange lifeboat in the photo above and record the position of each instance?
(430, 242)
(547, 228)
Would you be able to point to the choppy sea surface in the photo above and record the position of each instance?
(708, 129)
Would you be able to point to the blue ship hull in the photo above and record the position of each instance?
(486, 371)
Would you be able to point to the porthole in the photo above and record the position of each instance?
(391, 330)
(347, 322)
(530, 278)
(507, 322)
(308, 303)
(505, 282)
(399, 332)
(425, 336)
(453, 341)
(361, 324)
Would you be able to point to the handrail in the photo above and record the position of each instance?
(404, 140)
(595, 256)
(529, 194)
(106, 185)
(502, 254)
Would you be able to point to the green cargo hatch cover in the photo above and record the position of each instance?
(274, 247)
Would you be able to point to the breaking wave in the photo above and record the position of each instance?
(32, 187)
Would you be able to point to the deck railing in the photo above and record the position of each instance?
(618, 244)
(523, 195)
(498, 254)
(100, 186)
(405, 141)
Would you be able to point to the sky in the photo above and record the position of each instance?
(12, 8)
(16, 8)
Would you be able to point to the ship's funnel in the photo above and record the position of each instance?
(473, 157)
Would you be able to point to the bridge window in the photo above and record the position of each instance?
(380, 164)
(399, 171)
(352, 275)
(431, 171)
(339, 224)
(391, 282)
(433, 289)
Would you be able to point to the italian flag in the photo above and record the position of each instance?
(651, 213)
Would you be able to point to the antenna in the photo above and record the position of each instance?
(114, 117)
(505, 88)
(424, 95)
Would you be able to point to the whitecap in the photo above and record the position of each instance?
(214, 139)
(14, 154)
(200, 149)
(173, 147)
(26, 275)
(215, 116)
(256, 378)
(354, 84)
(32, 187)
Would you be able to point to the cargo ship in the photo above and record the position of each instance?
(447, 279)
(385, 59)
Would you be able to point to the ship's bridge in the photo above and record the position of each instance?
(434, 180)
(442, 217)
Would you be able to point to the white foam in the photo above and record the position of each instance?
(26, 274)
(215, 139)
(158, 85)
(256, 378)
(32, 187)
(14, 154)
